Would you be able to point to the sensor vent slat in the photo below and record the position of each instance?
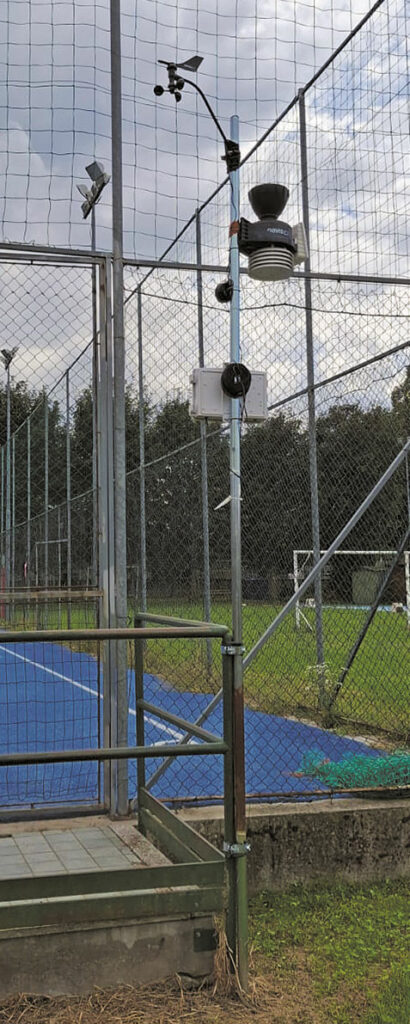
(271, 264)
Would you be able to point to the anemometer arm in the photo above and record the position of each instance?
(232, 151)
(175, 84)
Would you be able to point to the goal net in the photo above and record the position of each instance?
(352, 578)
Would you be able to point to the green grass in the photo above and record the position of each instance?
(346, 948)
(283, 678)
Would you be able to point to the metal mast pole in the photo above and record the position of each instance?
(236, 569)
(120, 726)
(204, 460)
(314, 486)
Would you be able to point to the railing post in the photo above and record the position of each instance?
(235, 845)
(140, 722)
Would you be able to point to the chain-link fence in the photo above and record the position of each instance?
(329, 681)
(332, 681)
(50, 694)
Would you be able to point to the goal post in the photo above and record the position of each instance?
(303, 562)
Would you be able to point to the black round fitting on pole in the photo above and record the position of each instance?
(236, 380)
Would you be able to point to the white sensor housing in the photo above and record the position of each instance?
(208, 400)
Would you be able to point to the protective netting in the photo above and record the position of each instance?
(356, 771)
(356, 148)
(298, 699)
(55, 63)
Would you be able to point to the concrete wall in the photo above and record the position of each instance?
(346, 839)
(49, 961)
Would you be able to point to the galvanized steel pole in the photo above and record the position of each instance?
(204, 459)
(141, 422)
(8, 483)
(119, 402)
(236, 570)
(28, 527)
(94, 406)
(45, 502)
(13, 512)
(68, 488)
(310, 368)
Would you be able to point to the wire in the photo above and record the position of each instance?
(338, 376)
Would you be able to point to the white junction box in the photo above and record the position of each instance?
(209, 401)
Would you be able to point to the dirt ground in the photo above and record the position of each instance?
(171, 1002)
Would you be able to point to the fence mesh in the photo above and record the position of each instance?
(356, 149)
(301, 710)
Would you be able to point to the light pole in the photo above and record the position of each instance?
(91, 197)
(7, 358)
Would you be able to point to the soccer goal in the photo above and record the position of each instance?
(352, 579)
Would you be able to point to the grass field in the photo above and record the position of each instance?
(283, 678)
(318, 956)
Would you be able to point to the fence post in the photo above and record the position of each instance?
(94, 406)
(204, 459)
(8, 490)
(310, 366)
(28, 527)
(141, 421)
(2, 560)
(120, 520)
(13, 513)
(406, 553)
(106, 524)
(45, 613)
(68, 490)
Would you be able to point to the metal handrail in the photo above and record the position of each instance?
(196, 631)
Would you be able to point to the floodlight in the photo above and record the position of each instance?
(99, 179)
(84, 191)
(272, 246)
(8, 356)
(95, 171)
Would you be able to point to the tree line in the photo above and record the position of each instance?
(355, 444)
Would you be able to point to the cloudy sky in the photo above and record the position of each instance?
(55, 118)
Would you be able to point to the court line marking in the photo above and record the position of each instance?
(88, 689)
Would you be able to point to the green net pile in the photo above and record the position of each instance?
(359, 771)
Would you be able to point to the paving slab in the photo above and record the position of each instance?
(70, 847)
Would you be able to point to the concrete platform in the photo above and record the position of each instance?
(74, 845)
(90, 901)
